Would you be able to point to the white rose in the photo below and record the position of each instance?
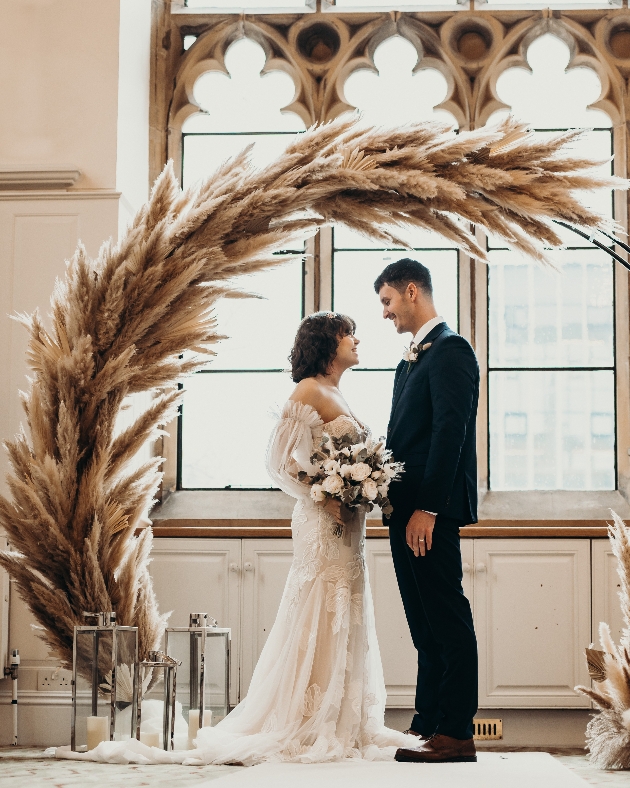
(382, 490)
(333, 484)
(360, 471)
(377, 474)
(317, 493)
(331, 466)
(370, 490)
(345, 470)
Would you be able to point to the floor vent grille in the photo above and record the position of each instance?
(486, 730)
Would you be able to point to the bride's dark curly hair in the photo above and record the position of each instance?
(316, 342)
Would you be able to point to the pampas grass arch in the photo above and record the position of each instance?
(122, 322)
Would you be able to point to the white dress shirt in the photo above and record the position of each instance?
(428, 326)
(417, 340)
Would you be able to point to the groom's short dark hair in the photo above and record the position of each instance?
(403, 272)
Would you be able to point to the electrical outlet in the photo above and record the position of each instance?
(54, 680)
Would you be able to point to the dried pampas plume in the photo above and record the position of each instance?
(121, 322)
(608, 732)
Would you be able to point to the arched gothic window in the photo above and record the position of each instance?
(553, 397)
(393, 96)
(229, 404)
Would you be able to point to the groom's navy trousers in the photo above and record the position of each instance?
(432, 430)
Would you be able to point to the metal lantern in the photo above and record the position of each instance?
(203, 685)
(157, 681)
(104, 673)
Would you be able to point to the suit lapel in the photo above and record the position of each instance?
(404, 375)
(400, 371)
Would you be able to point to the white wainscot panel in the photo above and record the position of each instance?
(532, 611)
(38, 232)
(400, 658)
(201, 576)
(606, 586)
(41, 243)
(266, 564)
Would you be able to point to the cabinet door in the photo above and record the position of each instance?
(201, 576)
(400, 658)
(468, 563)
(532, 611)
(266, 564)
(606, 585)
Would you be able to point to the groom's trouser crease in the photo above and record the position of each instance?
(441, 625)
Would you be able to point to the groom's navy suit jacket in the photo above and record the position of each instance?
(432, 430)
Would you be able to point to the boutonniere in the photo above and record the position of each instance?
(412, 354)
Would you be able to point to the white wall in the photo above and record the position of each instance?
(74, 94)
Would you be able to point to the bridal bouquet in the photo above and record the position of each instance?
(357, 474)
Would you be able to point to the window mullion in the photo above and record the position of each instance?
(622, 320)
(325, 268)
(479, 340)
(311, 276)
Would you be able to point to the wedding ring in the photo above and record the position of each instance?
(421, 540)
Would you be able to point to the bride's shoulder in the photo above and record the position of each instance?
(304, 402)
(308, 391)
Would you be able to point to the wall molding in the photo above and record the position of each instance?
(40, 177)
(36, 194)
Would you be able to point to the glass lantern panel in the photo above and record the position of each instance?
(216, 674)
(93, 671)
(126, 661)
(155, 708)
(186, 647)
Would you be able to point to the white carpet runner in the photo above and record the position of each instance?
(493, 770)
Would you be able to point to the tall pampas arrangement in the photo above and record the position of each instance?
(608, 732)
(121, 324)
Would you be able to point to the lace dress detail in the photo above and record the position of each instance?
(317, 693)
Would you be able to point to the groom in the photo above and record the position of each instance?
(432, 430)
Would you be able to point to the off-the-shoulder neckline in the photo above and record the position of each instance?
(346, 416)
(292, 405)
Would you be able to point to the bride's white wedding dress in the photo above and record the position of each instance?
(317, 693)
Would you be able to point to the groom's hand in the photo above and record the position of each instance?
(420, 532)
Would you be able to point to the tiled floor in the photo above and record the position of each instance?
(580, 766)
(29, 768)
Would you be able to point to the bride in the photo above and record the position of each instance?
(317, 693)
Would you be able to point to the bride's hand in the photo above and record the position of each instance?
(333, 507)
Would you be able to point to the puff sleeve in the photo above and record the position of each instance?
(291, 445)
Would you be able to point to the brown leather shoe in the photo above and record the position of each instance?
(440, 749)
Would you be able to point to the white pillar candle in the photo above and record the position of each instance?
(150, 738)
(193, 726)
(207, 718)
(97, 731)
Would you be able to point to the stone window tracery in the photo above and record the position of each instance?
(466, 58)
